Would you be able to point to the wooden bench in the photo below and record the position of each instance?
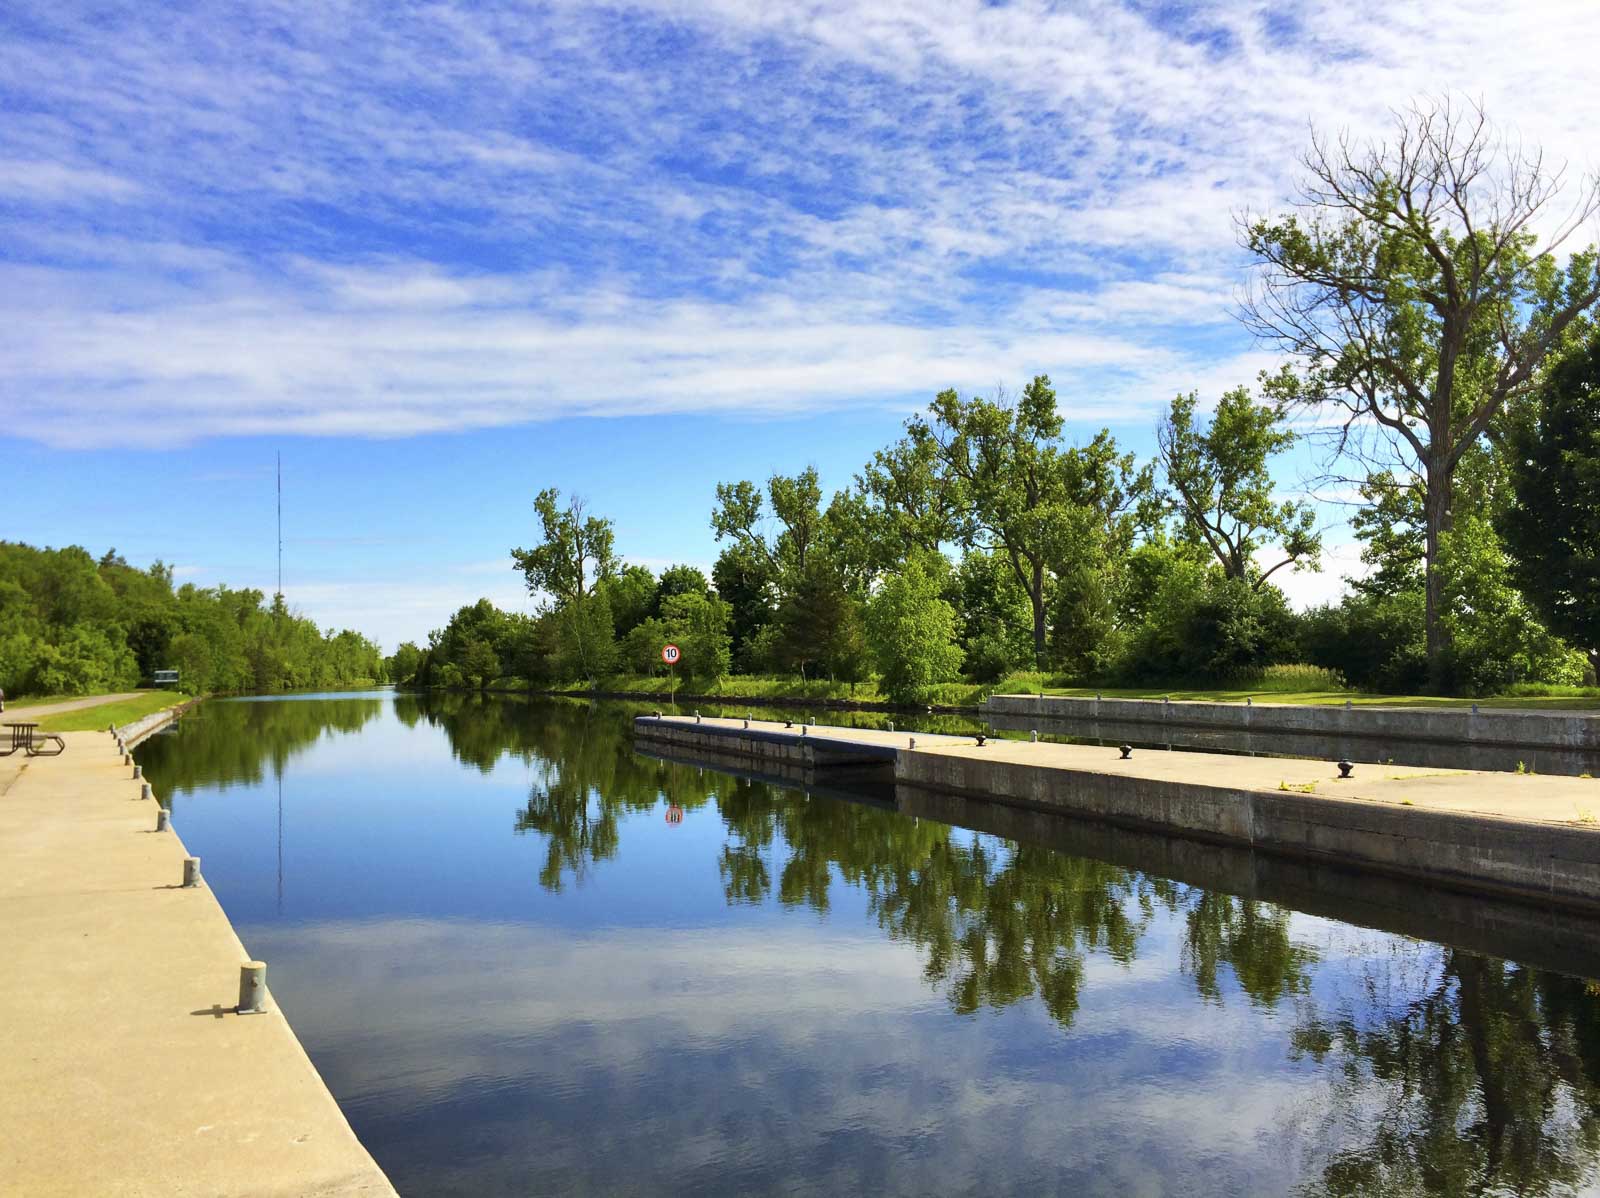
(30, 740)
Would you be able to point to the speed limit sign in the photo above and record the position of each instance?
(669, 654)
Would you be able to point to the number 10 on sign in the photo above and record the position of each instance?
(670, 654)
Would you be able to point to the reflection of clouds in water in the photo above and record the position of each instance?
(749, 1057)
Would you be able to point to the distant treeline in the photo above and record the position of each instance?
(70, 625)
(982, 544)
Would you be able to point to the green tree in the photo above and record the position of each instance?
(794, 502)
(818, 625)
(993, 614)
(679, 580)
(1218, 483)
(698, 624)
(403, 663)
(920, 503)
(1551, 525)
(912, 630)
(1495, 637)
(1005, 460)
(632, 595)
(575, 554)
(747, 582)
(1420, 301)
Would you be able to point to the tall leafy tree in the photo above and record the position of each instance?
(920, 504)
(1552, 524)
(794, 502)
(1044, 508)
(1005, 458)
(575, 553)
(1218, 483)
(747, 581)
(1414, 287)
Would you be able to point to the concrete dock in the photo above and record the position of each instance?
(1456, 737)
(1525, 836)
(124, 1069)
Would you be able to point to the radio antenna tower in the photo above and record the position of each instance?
(280, 524)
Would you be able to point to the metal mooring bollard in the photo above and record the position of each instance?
(163, 820)
(1033, 735)
(912, 742)
(145, 792)
(138, 771)
(191, 871)
(981, 739)
(891, 725)
(1344, 769)
(804, 729)
(747, 723)
(1127, 752)
(697, 716)
(252, 988)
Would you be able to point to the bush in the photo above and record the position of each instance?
(912, 632)
(1378, 644)
(991, 655)
(1204, 627)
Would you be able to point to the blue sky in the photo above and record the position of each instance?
(441, 256)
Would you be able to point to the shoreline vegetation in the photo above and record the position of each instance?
(866, 696)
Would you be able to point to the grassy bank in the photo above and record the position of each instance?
(125, 711)
(1283, 684)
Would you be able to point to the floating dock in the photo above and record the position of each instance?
(1525, 836)
(124, 1067)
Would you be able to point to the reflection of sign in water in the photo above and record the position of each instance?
(674, 815)
(669, 654)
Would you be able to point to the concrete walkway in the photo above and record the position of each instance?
(123, 1069)
(1528, 836)
(35, 710)
(1523, 798)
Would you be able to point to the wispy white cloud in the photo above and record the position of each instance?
(343, 219)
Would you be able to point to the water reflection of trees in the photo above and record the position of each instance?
(996, 922)
(1458, 1074)
(1478, 1077)
(227, 742)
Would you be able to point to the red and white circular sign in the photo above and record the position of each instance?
(669, 654)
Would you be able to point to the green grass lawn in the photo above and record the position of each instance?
(1283, 684)
(87, 719)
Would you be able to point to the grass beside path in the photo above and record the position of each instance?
(123, 711)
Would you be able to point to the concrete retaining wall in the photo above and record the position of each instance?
(1541, 861)
(1218, 799)
(1320, 746)
(1537, 934)
(1573, 731)
(773, 752)
(147, 726)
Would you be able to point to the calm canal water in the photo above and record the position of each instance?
(528, 960)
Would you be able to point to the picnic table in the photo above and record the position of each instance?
(25, 736)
